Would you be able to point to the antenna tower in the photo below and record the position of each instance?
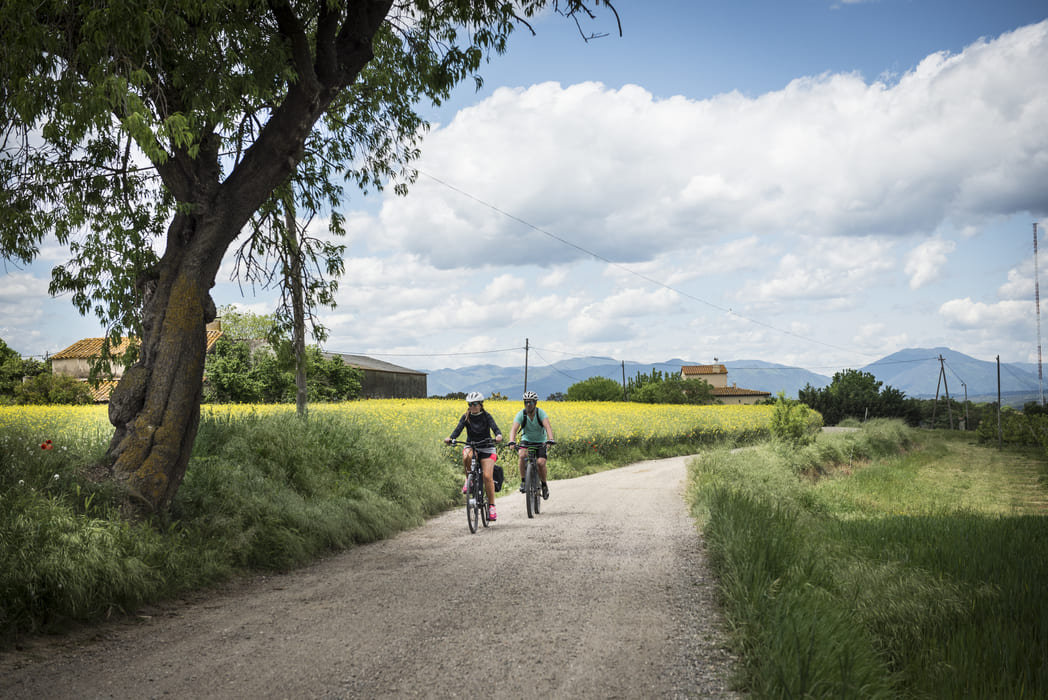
(1037, 301)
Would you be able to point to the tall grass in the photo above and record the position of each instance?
(265, 490)
(851, 569)
(261, 491)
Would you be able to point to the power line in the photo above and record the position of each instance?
(426, 354)
(644, 277)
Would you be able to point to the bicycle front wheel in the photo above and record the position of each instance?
(482, 499)
(531, 479)
(472, 510)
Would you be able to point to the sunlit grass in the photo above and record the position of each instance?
(881, 573)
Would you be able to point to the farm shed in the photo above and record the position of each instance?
(383, 380)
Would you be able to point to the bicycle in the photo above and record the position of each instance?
(532, 480)
(476, 498)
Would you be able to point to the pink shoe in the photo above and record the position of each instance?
(465, 485)
(492, 515)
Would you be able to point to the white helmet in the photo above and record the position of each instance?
(531, 396)
(474, 396)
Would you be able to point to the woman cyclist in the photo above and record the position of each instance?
(479, 425)
(534, 427)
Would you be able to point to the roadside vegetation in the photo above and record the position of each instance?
(268, 491)
(885, 562)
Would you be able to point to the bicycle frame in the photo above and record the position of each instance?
(476, 497)
(532, 479)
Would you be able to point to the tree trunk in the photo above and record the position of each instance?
(298, 312)
(155, 408)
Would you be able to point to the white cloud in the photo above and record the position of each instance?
(22, 298)
(965, 314)
(628, 176)
(829, 269)
(926, 261)
(1020, 284)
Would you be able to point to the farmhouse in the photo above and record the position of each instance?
(383, 380)
(717, 377)
(75, 361)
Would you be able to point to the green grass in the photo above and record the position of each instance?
(853, 568)
(263, 491)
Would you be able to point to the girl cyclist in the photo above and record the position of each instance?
(479, 425)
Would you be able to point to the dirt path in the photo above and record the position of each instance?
(605, 594)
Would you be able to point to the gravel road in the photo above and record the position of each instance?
(606, 594)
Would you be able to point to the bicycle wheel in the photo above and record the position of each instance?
(536, 493)
(482, 500)
(472, 509)
(531, 478)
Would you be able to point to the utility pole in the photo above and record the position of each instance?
(998, 402)
(525, 364)
(942, 379)
(624, 380)
(1037, 301)
(966, 424)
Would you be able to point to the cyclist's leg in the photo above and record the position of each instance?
(467, 457)
(487, 464)
(522, 454)
(541, 462)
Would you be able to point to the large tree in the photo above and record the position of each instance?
(132, 126)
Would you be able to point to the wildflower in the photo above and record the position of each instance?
(54, 478)
(46, 445)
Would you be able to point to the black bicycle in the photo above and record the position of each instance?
(532, 480)
(476, 498)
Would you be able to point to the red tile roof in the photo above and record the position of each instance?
(689, 370)
(92, 347)
(736, 391)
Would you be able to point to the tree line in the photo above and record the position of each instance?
(252, 362)
(654, 387)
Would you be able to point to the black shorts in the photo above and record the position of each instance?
(538, 447)
(482, 453)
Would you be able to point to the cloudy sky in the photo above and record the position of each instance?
(815, 183)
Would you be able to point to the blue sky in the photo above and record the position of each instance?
(811, 183)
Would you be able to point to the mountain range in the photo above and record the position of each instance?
(917, 372)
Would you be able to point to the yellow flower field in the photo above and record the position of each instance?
(595, 425)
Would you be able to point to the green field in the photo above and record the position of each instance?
(886, 562)
(852, 569)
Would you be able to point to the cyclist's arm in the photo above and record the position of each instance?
(549, 429)
(495, 428)
(458, 428)
(513, 431)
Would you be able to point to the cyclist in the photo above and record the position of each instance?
(479, 425)
(533, 424)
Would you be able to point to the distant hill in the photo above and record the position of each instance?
(556, 378)
(915, 372)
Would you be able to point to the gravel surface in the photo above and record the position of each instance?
(605, 594)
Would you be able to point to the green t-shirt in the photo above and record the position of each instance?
(531, 428)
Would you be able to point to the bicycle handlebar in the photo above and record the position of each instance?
(527, 443)
(465, 443)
